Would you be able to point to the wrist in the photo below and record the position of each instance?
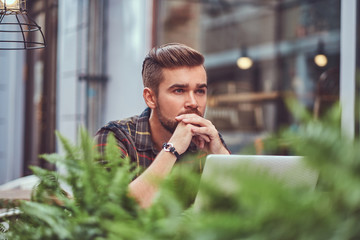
(169, 147)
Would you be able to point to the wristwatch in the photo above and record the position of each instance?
(169, 147)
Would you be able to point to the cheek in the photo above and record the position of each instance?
(168, 105)
(169, 100)
(202, 102)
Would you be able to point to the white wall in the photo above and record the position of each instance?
(69, 113)
(129, 40)
(11, 114)
(347, 66)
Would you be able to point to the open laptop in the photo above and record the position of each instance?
(219, 170)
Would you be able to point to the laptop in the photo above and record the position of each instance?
(219, 170)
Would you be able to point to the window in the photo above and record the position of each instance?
(281, 38)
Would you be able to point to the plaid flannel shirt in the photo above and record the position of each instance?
(134, 140)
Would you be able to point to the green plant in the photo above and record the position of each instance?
(101, 208)
(99, 193)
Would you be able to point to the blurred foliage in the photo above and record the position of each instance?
(258, 208)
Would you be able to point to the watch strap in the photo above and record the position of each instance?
(169, 147)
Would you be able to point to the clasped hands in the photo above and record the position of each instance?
(200, 131)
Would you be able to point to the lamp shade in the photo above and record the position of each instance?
(244, 62)
(17, 30)
(320, 58)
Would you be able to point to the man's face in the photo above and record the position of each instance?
(183, 90)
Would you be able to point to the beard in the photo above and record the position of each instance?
(171, 124)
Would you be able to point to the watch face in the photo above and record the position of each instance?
(168, 146)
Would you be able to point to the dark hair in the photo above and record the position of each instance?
(172, 55)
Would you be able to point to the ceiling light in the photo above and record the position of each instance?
(17, 30)
(244, 62)
(320, 58)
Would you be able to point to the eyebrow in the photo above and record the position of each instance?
(179, 86)
(203, 85)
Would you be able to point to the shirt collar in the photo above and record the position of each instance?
(143, 141)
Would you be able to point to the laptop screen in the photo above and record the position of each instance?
(221, 170)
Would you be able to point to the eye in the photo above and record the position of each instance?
(201, 91)
(179, 90)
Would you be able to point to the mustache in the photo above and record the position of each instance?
(193, 110)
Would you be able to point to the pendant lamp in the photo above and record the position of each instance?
(17, 30)
(244, 62)
(321, 59)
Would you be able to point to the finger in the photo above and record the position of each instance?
(204, 131)
(193, 119)
(198, 122)
(206, 138)
(196, 141)
(187, 115)
(199, 142)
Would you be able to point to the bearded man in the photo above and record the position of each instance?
(175, 91)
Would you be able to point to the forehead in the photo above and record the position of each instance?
(184, 75)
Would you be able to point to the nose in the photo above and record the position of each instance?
(191, 101)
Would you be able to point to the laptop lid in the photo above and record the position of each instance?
(219, 171)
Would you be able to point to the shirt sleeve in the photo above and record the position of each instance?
(223, 142)
(101, 143)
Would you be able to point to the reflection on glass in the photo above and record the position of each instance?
(283, 37)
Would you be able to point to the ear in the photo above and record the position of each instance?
(149, 97)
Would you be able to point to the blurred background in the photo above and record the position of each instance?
(258, 52)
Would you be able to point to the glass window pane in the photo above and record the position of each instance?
(292, 49)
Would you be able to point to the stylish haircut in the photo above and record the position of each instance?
(172, 55)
